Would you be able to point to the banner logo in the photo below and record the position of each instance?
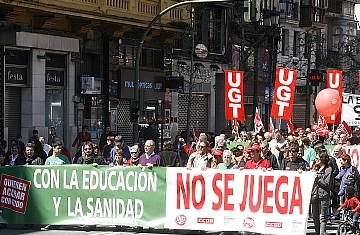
(15, 192)
(248, 222)
(273, 224)
(180, 220)
(205, 220)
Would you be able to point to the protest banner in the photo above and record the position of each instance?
(248, 200)
(268, 202)
(82, 194)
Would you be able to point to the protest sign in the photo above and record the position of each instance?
(247, 200)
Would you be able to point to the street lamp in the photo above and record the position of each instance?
(138, 53)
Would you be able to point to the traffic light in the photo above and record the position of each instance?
(315, 77)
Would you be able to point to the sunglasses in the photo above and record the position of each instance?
(87, 149)
(293, 151)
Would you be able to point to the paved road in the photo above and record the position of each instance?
(110, 230)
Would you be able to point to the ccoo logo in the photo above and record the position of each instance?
(180, 220)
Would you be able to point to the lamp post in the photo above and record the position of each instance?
(138, 54)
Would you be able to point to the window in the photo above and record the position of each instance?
(285, 42)
(296, 44)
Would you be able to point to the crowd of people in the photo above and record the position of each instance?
(336, 178)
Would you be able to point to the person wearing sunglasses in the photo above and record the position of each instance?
(88, 155)
(201, 158)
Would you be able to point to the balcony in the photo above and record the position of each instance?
(78, 16)
(289, 10)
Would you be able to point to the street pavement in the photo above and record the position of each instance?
(110, 230)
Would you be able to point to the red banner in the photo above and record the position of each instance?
(234, 95)
(334, 81)
(284, 91)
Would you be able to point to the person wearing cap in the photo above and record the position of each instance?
(134, 160)
(266, 154)
(120, 144)
(226, 161)
(217, 157)
(150, 158)
(257, 162)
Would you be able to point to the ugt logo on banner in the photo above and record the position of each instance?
(334, 81)
(234, 98)
(284, 93)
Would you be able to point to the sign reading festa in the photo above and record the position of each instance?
(284, 93)
(234, 95)
(334, 81)
(247, 200)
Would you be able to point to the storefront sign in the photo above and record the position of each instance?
(16, 75)
(54, 78)
(175, 84)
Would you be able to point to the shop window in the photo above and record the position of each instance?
(93, 115)
(54, 110)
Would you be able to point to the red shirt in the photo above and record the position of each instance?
(353, 203)
(262, 163)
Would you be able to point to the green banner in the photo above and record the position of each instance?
(83, 194)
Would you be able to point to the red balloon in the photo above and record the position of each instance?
(327, 102)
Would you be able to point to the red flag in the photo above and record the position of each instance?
(321, 127)
(334, 81)
(258, 125)
(235, 128)
(284, 91)
(271, 126)
(290, 126)
(234, 95)
(344, 128)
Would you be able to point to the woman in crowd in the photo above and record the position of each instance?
(321, 193)
(119, 156)
(110, 144)
(226, 164)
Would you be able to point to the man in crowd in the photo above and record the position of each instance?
(134, 160)
(57, 158)
(277, 144)
(150, 158)
(30, 157)
(107, 132)
(295, 163)
(120, 144)
(201, 158)
(53, 136)
(266, 154)
(256, 161)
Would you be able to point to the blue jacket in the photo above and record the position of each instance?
(125, 149)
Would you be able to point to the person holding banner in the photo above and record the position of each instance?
(226, 164)
(320, 196)
(201, 158)
(257, 162)
(294, 162)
